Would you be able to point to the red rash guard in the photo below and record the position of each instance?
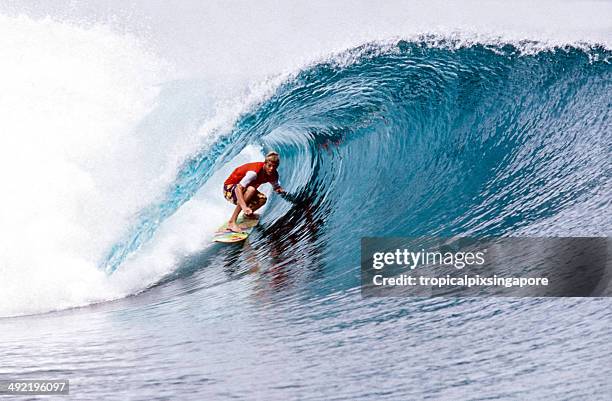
(260, 175)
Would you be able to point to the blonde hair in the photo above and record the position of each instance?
(272, 157)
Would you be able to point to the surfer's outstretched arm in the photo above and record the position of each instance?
(278, 189)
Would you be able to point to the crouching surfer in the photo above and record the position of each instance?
(240, 188)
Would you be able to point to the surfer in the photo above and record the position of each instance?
(240, 188)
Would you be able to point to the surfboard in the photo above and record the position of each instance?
(226, 236)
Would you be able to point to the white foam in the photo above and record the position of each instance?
(186, 232)
(77, 166)
(71, 98)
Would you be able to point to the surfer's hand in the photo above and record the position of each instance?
(280, 191)
(247, 211)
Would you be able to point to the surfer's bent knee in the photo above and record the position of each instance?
(258, 200)
(262, 198)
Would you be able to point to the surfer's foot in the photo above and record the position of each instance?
(234, 227)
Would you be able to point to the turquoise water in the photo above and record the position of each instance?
(401, 139)
(414, 139)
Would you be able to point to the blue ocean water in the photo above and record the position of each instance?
(404, 139)
(423, 140)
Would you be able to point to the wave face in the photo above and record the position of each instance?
(422, 138)
(407, 139)
(419, 137)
